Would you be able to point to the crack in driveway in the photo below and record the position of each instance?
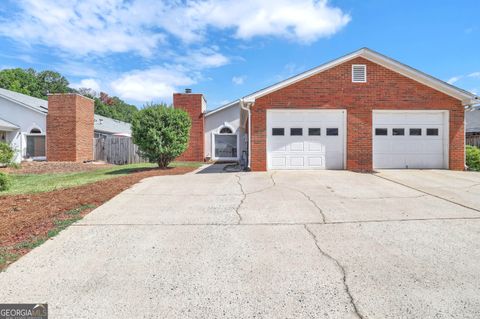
(237, 209)
(314, 203)
(239, 182)
(427, 193)
(342, 271)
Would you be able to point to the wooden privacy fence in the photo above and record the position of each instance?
(116, 150)
(473, 139)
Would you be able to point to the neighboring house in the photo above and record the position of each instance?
(23, 123)
(105, 126)
(472, 122)
(360, 112)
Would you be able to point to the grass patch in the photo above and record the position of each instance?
(36, 183)
(9, 255)
(78, 210)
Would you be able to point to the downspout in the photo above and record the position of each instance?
(247, 108)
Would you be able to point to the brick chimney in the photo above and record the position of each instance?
(194, 105)
(69, 128)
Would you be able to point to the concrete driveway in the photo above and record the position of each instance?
(328, 244)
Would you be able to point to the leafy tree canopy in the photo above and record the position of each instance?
(40, 84)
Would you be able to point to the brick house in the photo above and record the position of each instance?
(360, 112)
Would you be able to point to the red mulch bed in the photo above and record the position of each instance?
(54, 167)
(28, 216)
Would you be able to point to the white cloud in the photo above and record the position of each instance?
(203, 58)
(85, 27)
(302, 20)
(152, 84)
(87, 83)
(474, 75)
(238, 80)
(454, 79)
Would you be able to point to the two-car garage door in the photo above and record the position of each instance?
(315, 139)
(305, 139)
(413, 139)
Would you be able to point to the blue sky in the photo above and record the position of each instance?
(143, 50)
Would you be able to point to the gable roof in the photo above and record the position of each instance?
(467, 98)
(27, 101)
(223, 107)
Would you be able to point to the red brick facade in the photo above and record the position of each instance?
(333, 89)
(69, 128)
(193, 104)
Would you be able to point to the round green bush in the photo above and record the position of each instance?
(161, 133)
(473, 158)
(5, 182)
(6, 153)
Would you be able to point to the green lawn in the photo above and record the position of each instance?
(35, 183)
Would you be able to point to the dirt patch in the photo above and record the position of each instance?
(25, 218)
(54, 167)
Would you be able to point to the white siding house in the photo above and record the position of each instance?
(225, 137)
(23, 125)
(27, 117)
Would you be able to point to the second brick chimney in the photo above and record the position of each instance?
(69, 128)
(194, 105)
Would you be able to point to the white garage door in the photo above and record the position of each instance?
(410, 139)
(305, 139)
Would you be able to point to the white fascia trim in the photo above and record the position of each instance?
(423, 78)
(223, 107)
(24, 105)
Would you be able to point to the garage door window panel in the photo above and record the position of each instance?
(277, 131)
(296, 131)
(432, 131)
(415, 132)
(381, 132)
(398, 132)
(314, 132)
(332, 131)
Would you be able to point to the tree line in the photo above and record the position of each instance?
(40, 84)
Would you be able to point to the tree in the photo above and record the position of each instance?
(52, 82)
(40, 84)
(29, 82)
(161, 133)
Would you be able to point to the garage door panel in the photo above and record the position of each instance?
(316, 161)
(297, 146)
(297, 161)
(414, 149)
(308, 150)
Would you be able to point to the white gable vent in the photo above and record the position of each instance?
(359, 73)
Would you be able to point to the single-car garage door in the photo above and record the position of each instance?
(415, 139)
(306, 139)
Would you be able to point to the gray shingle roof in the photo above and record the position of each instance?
(108, 125)
(26, 100)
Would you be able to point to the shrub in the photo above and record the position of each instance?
(6, 153)
(161, 133)
(473, 158)
(5, 182)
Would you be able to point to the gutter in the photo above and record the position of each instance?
(247, 108)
